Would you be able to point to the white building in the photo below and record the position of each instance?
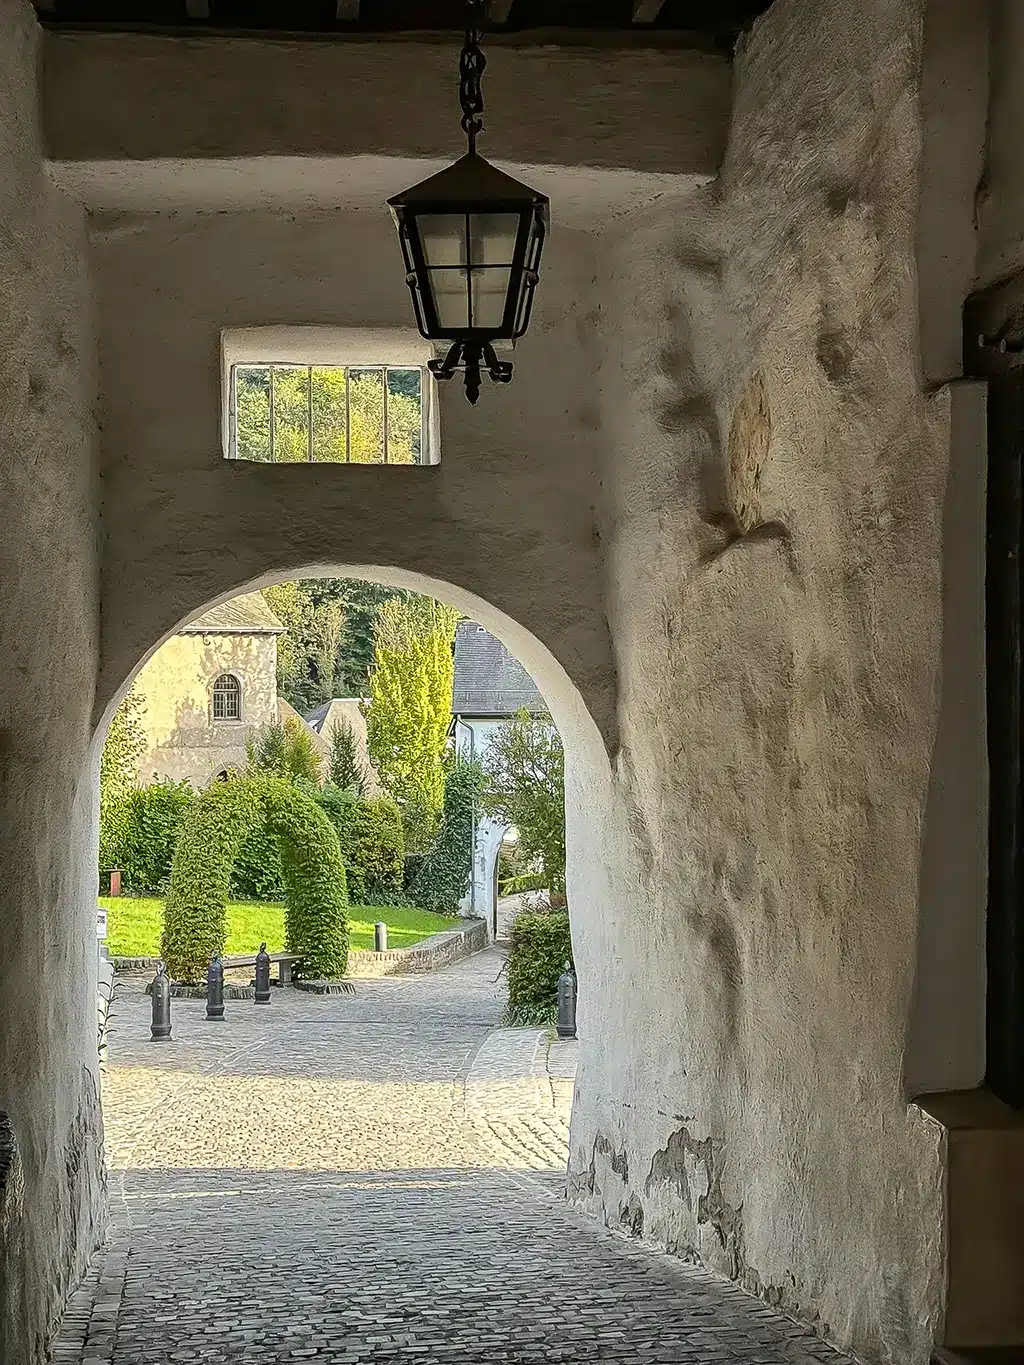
(490, 686)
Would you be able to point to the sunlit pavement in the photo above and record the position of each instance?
(374, 1178)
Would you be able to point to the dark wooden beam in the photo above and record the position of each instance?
(646, 11)
(498, 11)
(348, 11)
(198, 9)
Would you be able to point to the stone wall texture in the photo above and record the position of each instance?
(184, 742)
(51, 1204)
(773, 495)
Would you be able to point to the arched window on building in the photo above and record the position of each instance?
(227, 698)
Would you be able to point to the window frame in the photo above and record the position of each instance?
(330, 347)
(239, 693)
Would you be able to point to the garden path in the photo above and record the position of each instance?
(373, 1179)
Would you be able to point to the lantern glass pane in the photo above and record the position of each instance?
(493, 238)
(443, 236)
(450, 289)
(489, 291)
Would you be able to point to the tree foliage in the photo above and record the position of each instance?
(297, 395)
(328, 649)
(372, 844)
(123, 749)
(211, 838)
(525, 786)
(409, 710)
(287, 750)
(540, 947)
(443, 877)
(346, 770)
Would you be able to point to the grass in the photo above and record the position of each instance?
(134, 924)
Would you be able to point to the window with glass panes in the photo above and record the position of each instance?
(337, 414)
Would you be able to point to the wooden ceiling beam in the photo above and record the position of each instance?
(498, 11)
(198, 9)
(348, 11)
(646, 11)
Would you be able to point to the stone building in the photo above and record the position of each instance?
(488, 688)
(207, 689)
(731, 515)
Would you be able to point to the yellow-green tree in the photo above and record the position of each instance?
(410, 709)
(301, 394)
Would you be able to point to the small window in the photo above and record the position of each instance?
(334, 414)
(227, 698)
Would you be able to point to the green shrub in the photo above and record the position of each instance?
(258, 874)
(152, 822)
(539, 949)
(212, 836)
(372, 844)
(443, 879)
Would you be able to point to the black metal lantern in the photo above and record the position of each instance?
(472, 238)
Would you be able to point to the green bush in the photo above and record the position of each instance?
(372, 844)
(153, 819)
(444, 876)
(258, 874)
(212, 836)
(539, 949)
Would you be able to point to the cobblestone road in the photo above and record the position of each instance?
(373, 1179)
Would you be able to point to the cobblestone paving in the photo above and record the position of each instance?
(373, 1180)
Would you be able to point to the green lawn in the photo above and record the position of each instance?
(134, 924)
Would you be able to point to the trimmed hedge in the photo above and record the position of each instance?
(372, 844)
(212, 836)
(153, 821)
(540, 947)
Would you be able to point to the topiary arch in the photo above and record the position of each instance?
(211, 838)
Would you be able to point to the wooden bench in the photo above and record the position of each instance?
(285, 962)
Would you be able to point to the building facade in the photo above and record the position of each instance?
(206, 691)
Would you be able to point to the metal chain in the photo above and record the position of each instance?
(471, 69)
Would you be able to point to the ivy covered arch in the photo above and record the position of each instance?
(212, 836)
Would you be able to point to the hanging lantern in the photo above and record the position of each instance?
(472, 237)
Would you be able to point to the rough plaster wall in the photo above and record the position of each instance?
(184, 741)
(773, 488)
(507, 514)
(50, 1207)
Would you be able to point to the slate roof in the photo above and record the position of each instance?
(488, 680)
(245, 615)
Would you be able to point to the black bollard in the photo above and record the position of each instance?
(380, 937)
(263, 976)
(566, 1026)
(160, 1029)
(215, 990)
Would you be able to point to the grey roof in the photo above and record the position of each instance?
(248, 614)
(488, 680)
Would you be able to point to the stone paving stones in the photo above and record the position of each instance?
(371, 1180)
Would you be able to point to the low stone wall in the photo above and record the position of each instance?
(426, 956)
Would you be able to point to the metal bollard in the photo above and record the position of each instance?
(566, 1025)
(263, 976)
(160, 1028)
(380, 937)
(215, 990)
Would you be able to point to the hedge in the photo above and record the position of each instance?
(372, 849)
(372, 844)
(211, 839)
(153, 820)
(539, 949)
